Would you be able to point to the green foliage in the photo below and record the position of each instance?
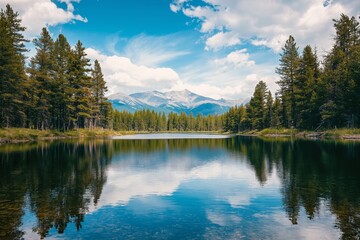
(341, 76)
(257, 107)
(13, 84)
(40, 70)
(60, 92)
(146, 120)
(289, 66)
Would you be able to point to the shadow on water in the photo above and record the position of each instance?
(60, 180)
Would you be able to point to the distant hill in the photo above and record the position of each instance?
(173, 101)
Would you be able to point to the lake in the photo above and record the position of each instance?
(180, 187)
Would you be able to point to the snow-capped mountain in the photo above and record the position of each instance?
(173, 101)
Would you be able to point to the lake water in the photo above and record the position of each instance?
(174, 187)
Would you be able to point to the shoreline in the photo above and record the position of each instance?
(335, 134)
(24, 135)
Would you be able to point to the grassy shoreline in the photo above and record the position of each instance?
(17, 135)
(344, 133)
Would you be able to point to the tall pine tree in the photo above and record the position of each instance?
(13, 80)
(257, 106)
(306, 90)
(41, 74)
(340, 75)
(99, 104)
(81, 83)
(289, 65)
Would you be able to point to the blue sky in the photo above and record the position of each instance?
(217, 48)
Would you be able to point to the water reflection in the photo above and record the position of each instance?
(59, 181)
(189, 188)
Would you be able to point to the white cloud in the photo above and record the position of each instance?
(177, 5)
(237, 58)
(126, 181)
(36, 14)
(271, 22)
(70, 6)
(122, 75)
(222, 39)
(222, 219)
(276, 43)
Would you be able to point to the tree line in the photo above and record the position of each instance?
(312, 95)
(58, 90)
(146, 120)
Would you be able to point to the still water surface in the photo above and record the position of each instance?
(202, 187)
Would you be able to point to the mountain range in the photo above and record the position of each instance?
(172, 101)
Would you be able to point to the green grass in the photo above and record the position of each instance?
(25, 134)
(272, 131)
(330, 133)
(337, 133)
(275, 131)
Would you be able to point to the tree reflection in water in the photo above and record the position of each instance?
(311, 172)
(62, 179)
(59, 180)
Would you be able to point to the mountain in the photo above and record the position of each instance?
(173, 101)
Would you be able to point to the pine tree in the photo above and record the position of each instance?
(62, 89)
(81, 83)
(98, 106)
(276, 113)
(354, 74)
(41, 75)
(257, 106)
(289, 65)
(268, 110)
(13, 80)
(340, 104)
(305, 90)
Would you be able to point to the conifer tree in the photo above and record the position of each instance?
(268, 110)
(340, 80)
(98, 95)
(63, 90)
(257, 106)
(305, 90)
(276, 113)
(41, 74)
(289, 64)
(81, 83)
(13, 80)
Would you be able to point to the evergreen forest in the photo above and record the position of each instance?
(60, 88)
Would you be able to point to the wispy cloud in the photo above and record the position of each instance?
(155, 50)
(232, 75)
